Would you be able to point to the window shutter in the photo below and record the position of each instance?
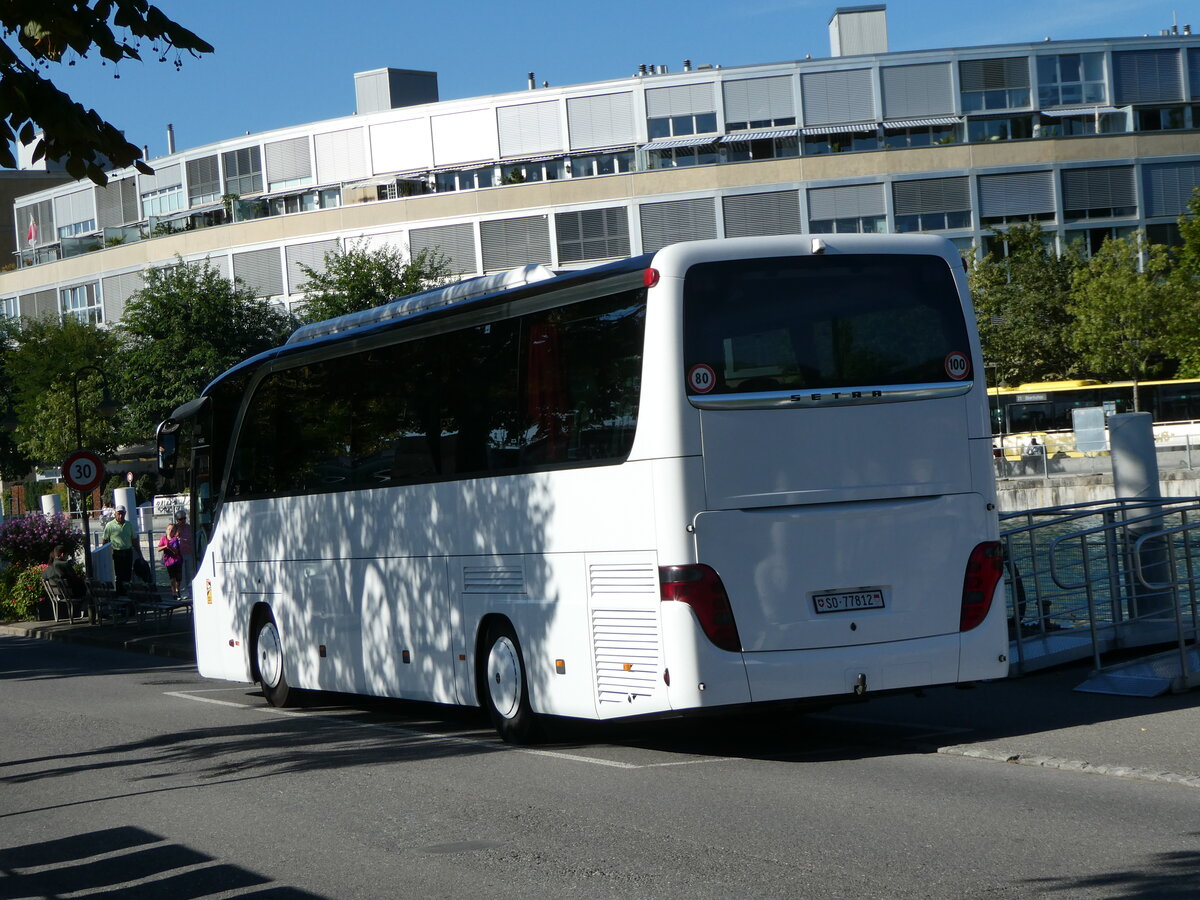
(203, 177)
(831, 97)
(931, 195)
(508, 243)
(116, 290)
(260, 271)
(464, 137)
(592, 234)
(756, 99)
(1016, 194)
(288, 160)
(455, 242)
(77, 206)
(311, 255)
(401, 146)
(1142, 76)
(117, 203)
(680, 100)
(1168, 187)
(1098, 188)
(340, 156)
(1193, 59)
(529, 128)
(677, 220)
(605, 120)
(39, 304)
(913, 91)
(777, 212)
(848, 202)
(1007, 73)
(164, 177)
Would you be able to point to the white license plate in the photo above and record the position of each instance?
(847, 601)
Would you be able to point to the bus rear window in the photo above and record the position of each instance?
(815, 322)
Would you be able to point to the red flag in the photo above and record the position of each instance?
(31, 235)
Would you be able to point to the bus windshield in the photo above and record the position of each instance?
(823, 322)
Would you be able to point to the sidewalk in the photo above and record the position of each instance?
(1036, 720)
(150, 636)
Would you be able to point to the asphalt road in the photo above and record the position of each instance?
(122, 775)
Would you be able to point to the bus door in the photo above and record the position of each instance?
(835, 397)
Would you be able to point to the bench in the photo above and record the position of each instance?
(148, 600)
(62, 600)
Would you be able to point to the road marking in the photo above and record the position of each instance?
(428, 737)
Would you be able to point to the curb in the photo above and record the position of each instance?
(1071, 765)
(154, 645)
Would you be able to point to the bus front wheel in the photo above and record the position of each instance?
(268, 656)
(506, 688)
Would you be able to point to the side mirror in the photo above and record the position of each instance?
(167, 440)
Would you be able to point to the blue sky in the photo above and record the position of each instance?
(287, 62)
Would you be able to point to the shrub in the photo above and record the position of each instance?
(28, 539)
(21, 592)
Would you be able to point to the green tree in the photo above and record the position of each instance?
(1130, 315)
(39, 33)
(1021, 301)
(48, 360)
(360, 277)
(186, 326)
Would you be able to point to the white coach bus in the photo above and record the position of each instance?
(730, 472)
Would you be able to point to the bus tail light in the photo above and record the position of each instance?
(650, 277)
(700, 588)
(985, 568)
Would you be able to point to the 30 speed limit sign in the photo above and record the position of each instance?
(83, 471)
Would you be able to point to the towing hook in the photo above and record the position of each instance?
(860, 684)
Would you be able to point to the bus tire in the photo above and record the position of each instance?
(269, 663)
(505, 685)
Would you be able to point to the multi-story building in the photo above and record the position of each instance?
(1089, 138)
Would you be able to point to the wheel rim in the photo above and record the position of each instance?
(270, 655)
(504, 678)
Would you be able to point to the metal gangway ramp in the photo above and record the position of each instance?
(1106, 580)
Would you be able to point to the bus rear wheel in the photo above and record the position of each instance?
(506, 688)
(269, 661)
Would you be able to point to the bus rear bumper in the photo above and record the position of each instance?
(861, 670)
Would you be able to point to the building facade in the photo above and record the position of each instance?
(1088, 138)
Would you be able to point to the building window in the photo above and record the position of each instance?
(1164, 233)
(1101, 212)
(850, 225)
(997, 246)
(1091, 239)
(8, 308)
(934, 221)
(302, 181)
(763, 148)
(1083, 124)
(1160, 118)
(203, 180)
(601, 164)
(840, 142)
(681, 126)
(1001, 222)
(531, 172)
(994, 83)
(924, 136)
(464, 179)
(77, 228)
(81, 302)
(243, 171)
(164, 201)
(592, 234)
(1070, 79)
(781, 122)
(1014, 128)
(682, 157)
(402, 187)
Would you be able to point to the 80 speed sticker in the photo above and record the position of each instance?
(701, 379)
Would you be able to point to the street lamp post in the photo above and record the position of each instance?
(107, 408)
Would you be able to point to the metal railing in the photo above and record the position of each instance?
(1091, 578)
(1047, 461)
